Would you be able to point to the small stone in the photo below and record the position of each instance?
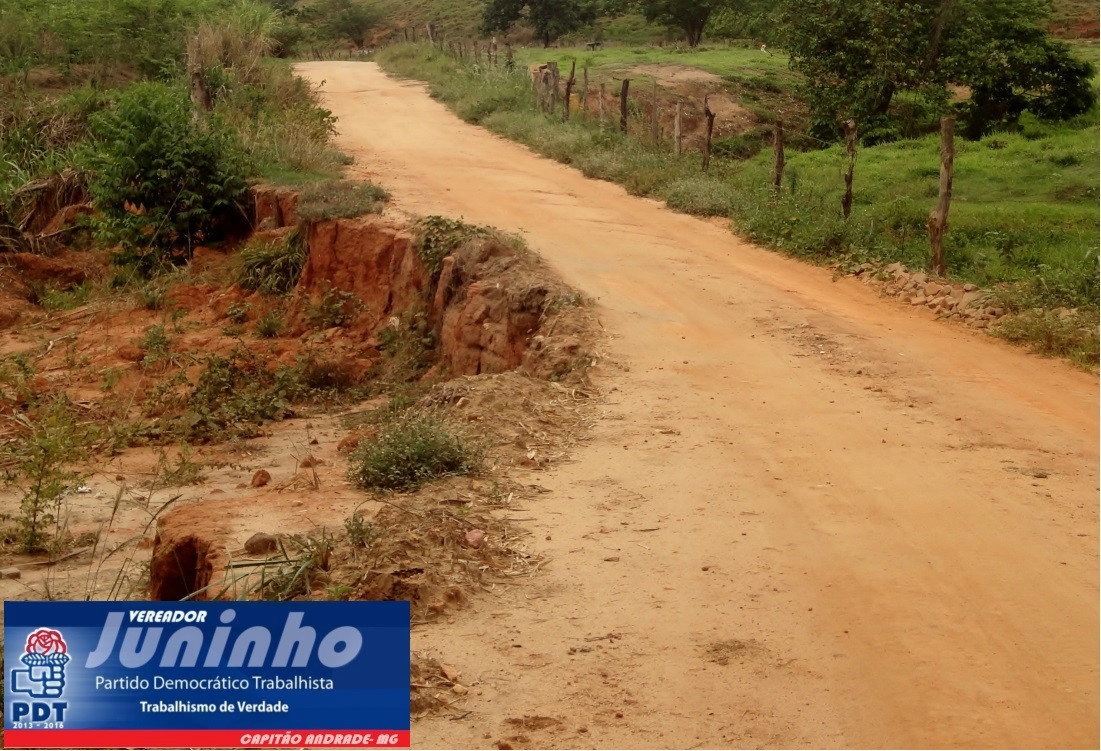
(969, 288)
(10, 573)
(261, 478)
(931, 288)
(450, 673)
(120, 478)
(917, 300)
(312, 461)
(261, 543)
(459, 689)
(475, 538)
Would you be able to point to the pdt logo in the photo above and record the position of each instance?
(43, 677)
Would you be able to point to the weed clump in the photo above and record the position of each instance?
(438, 237)
(412, 453)
(39, 463)
(273, 267)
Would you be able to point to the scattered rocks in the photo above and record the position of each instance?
(261, 543)
(917, 288)
(261, 478)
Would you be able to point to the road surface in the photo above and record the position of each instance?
(809, 516)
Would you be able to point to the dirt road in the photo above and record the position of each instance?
(808, 517)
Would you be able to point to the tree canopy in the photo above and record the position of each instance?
(858, 55)
(549, 19)
(689, 15)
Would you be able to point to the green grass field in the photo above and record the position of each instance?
(1024, 220)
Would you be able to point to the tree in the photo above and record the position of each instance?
(857, 55)
(549, 19)
(689, 15)
(344, 19)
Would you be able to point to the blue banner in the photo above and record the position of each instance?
(233, 674)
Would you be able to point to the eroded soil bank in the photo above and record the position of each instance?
(221, 442)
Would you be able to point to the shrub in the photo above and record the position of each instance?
(39, 463)
(438, 237)
(411, 453)
(270, 325)
(164, 180)
(334, 308)
(272, 267)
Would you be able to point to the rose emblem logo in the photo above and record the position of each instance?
(45, 658)
(46, 641)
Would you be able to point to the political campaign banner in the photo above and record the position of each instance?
(206, 675)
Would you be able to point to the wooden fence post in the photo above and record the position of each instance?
(569, 93)
(508, 56)
(710, 116)
(552, 100)
(938, 217)
(850, 146)
(583, 110)
(778, 147)
(623, 104)
(655, 133)
(600, 106)
(431, 29)
(678, 137)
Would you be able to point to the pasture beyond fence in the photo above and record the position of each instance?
(666, 125)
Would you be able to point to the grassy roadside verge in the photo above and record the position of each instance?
(1024, 222)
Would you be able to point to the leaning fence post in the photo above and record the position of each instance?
(678, 138)
(583, 109)
(569, 93)
(850, 146)
(555, 78)
(623, 104)
(778, 147)
(938, 217)
(654, 122)
(600, 106)
(710, 116)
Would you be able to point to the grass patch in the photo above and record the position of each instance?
(339, 199)
(411, 453)
(272, 267)
(1068, 334)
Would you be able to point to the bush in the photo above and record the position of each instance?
(40, 463)
(410, 454)
(164, 180)
(272, 267)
